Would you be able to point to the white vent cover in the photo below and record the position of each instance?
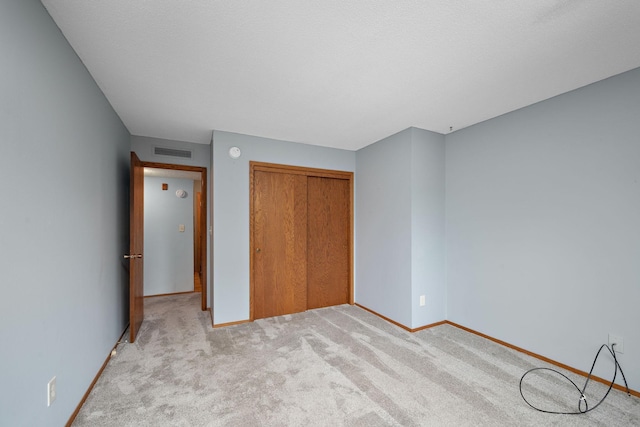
(172, 152)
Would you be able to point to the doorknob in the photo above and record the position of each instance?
(258, 250)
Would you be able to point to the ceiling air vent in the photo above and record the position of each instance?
(172, 152)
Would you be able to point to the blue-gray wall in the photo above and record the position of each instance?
(383, 227)
(400, 227)
(231, 209)
(543, 225)
(427, 227)
(64, 168)
(168, 252)
(144, 148)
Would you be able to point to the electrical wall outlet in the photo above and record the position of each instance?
(422, 300)
(619, 343)
(51, 391)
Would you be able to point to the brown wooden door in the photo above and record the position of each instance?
(196, 235)
(136, 240)
(328, 230)
(280, 244)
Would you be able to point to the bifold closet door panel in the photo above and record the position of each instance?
(280, 242)
(328, 231)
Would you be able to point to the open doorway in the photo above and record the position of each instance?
(186, 188)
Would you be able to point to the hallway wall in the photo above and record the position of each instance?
(168, 251)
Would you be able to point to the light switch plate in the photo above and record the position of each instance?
(181, 228)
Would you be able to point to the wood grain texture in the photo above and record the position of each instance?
(203, 238)
(257, 258)
(328, 252)
(197, 284)
(300, 170)
(172, 166)
(136, 246)
(197, 229)
(279, 238)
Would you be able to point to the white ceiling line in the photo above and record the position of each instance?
(340, 73)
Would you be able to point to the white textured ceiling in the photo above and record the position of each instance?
(340, 73)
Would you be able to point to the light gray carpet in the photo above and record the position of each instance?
(338, 366)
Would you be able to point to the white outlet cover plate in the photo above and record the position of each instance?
(618, 341)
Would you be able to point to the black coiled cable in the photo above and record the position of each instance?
(583, 406)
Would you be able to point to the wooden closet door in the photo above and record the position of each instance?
(328, 231)
(280, 244)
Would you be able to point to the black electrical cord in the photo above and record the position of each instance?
(583, 399)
